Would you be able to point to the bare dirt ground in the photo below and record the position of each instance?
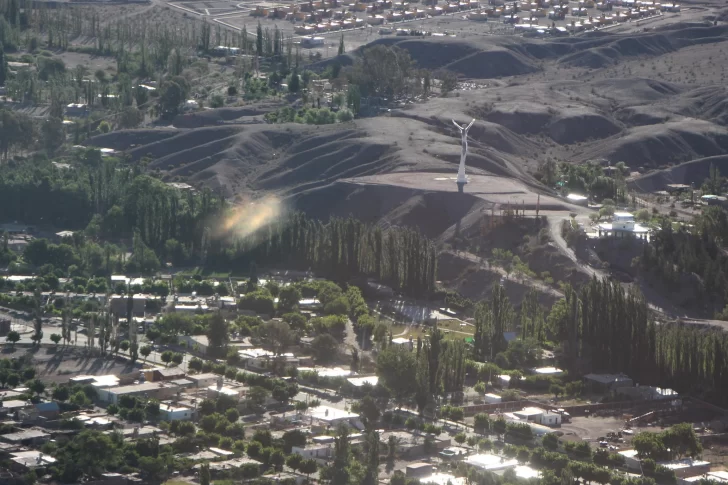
(589, 429)
(717, 454)
(58, 365)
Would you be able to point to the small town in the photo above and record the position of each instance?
(287, 378)
(371, 242)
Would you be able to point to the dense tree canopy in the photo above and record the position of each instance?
(112, 200)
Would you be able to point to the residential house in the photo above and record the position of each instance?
(158, 374)
(171, 412)
(42, 411)
(604, 383)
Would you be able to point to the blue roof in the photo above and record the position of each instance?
(47, 406)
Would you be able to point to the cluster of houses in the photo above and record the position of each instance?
(30, 425)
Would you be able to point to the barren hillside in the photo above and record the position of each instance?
(652, 98)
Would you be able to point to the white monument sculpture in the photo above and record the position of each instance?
(462, 180)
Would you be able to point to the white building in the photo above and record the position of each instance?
(321, 452)
(687, 467)
(490, 462)
(30, 460)
(535, 418)
(716, 476)
(548, 371)
(198, 342)
(550, 419)
(202, 381)
(443, 479)
(361, 381)
(98, 382)
(623, 225)
(403, 342)
(255, 357)
(327, 371)
(578, 199)
(504, 381)
(170, 412)
(529, 414)
(156, 390)
(333, 416)
(631, 460)
(199, 308)
(215, 391)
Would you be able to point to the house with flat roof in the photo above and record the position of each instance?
(412, 445)
(719, 476)
(606, 382)
(578, 199)
(622, 225)
(490, 462)
(329, 416)
(12, 407)
(203, 381)
(18, 243)
(155, 390)
(539, 420)
(172, 412)
(321, 452)
(197, 343)
(76, 110)
(98, 382)
(215, 391)
(31, 436)
(687, 467)
(158, 374)
(443, 479)
(119, 305)
(631, 460)
(40, 411)
(137, 432)
(261, 358)
(327, 371)
(95, 422)
(548, 371)
(25, 461)
(646, 393)
(403, 342)
(361, 381)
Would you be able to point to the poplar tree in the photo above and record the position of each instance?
(3, 65)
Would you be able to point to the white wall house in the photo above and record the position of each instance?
(170, 412)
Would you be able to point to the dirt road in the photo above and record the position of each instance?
(560, 243)
(539, 285)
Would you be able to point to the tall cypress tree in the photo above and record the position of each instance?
(3, 65)
(259, 40)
